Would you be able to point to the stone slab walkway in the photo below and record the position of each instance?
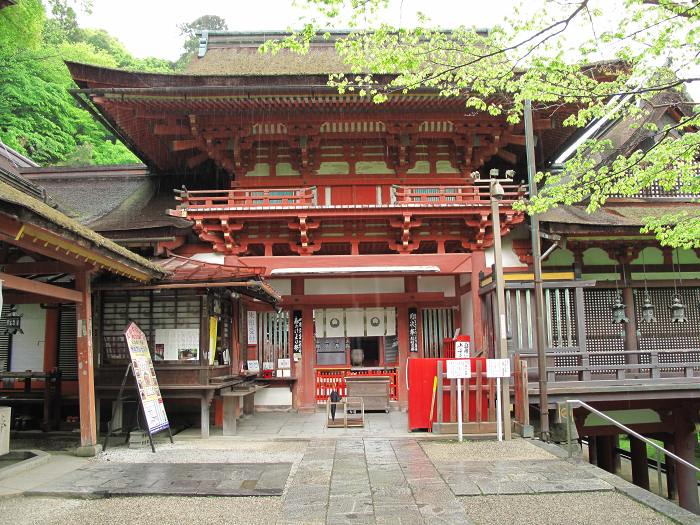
(475, 478)
(169, 479)
(368, 482)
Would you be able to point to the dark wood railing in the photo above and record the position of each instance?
(441, 195)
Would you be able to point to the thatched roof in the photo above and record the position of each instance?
(61, 223)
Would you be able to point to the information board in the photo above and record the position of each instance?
(146, 381)
(461, 349)
(252, 318)
(498, 368)
(297, 334)
(458, 368)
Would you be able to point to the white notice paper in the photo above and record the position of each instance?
(461, 349)
(458, 368)
(254, 366)
(498, 368)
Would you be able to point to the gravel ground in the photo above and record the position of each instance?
(214, 451)
(585, 508)
(160, 510)
(483, 450)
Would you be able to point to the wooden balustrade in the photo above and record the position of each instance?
(442, 195)
(631, 364)
(248, 197)
(329, 379)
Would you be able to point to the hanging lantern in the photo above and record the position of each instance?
(13, 321)
(677, 310)
(618, 311)
(648, 310)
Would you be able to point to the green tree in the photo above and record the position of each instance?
(609, 60)
(189, 30)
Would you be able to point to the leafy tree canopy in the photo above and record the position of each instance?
(38, 116)
(606, 60)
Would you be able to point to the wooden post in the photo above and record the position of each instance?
(581, 334)
(204, 421)
(478, 265)
(684, 442)
(640, 467)
(86, 372)
(440, 418)
(592, 450)
(604, 446)
(631, 340)
(672, 492)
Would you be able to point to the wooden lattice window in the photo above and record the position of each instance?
(273, 337)
(601, 334)
(438, 323)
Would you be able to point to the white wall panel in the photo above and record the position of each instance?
(332, 286)
(437, 283)
(282, 286)
(28, 348)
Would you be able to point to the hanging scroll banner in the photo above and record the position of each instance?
(149, 391)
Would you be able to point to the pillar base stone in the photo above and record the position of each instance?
(88, 451)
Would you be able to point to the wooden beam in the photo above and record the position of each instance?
(509, 157)
(38, 268)
(168, 129)
(36, 287)
(181, 145)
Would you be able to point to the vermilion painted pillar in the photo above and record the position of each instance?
(307, 381)
(51, 338)
(478, 265)
(402, 335)
(86, 373)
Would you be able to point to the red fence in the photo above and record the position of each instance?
(329, 379)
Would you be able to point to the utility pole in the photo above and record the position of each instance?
(497, 193)
(537, 268)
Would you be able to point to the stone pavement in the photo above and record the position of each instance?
(169, 479)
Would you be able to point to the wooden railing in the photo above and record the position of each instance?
(247, 197)
(329, 379)
(635, 364)
(440, 195)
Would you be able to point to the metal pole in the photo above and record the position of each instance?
(499, 422)
(502, 346)
(537, 268)
(459, 408)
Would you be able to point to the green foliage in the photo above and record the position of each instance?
(589, 59)
(38, 116)
(189, 30)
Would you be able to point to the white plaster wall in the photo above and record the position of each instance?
(282, 286)
(464, 278)
(362, 285)
(510, 259)
(273, 397)
(28, 348)
(437, 283)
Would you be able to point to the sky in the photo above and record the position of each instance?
(149, 27)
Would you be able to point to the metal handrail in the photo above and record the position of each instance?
(572, 403)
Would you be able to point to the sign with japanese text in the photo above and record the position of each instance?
(252, 328)
(413, 330)
(297, 336)
(146, 381)
(458, 368)
(461, 349)
(498, 368)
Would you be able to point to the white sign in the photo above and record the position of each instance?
(498, 368)
(462, 349)
(254, 366)
(268, 365)
(284, 363)
(458, 368)
(252, 328)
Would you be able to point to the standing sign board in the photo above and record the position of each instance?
(498, 368)
(461, 349)
(145, 375)
(458, 368)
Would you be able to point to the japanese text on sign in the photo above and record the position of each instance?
(498, 368)
(461, 349)
(458, 368)
(413, 330)
(146, 381)
(297, 333)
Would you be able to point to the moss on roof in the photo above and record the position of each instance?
(248, 61)
(10, 195)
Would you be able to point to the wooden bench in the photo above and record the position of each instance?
(49, 395)
(232, 402)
